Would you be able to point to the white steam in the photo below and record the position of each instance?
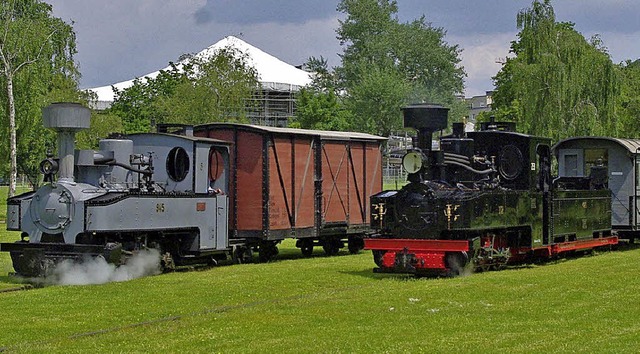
(98, 271)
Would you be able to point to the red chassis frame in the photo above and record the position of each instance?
(430, 254)
(427, 254)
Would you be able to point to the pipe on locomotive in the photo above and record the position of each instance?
(113, 162)
(66, 119)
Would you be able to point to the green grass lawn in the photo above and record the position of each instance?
(333, 304)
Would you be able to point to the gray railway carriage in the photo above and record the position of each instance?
(159, 191)
(617, 161)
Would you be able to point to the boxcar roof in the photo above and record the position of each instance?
(191, 138)
(323, 134)
(632, 145)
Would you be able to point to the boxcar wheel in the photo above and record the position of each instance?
(355, 244)
(267, 251)
(241, 254)
(331, 246)
(306, 247)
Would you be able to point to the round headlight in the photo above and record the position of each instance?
(48, 166)
(412, 162)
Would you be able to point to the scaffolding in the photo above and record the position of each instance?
(273, 108)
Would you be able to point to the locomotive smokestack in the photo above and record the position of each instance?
(66, 119)
(427, 119)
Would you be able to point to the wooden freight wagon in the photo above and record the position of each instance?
(295, 183)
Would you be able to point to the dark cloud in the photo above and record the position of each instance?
(591, 16)
(118, 40)
(463, 17)
(260, 11)
(203, 15)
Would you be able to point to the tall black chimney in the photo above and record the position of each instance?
(427, 119)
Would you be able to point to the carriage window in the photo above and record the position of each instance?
(571, 165)
(216, 164)
(594, 157)
(178, 164)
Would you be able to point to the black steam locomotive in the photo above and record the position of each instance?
(483, 200)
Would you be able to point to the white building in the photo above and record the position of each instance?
(279, 82)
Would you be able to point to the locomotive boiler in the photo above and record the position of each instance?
(141, 191)
(482, 200)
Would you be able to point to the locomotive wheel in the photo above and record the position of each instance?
(306, 247)
(456, 262)
(166, 262)
(377, 257)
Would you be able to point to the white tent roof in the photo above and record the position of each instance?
(273, 73)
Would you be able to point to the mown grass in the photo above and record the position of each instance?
(334, 304)
(337, 305)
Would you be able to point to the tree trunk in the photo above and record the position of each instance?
(13, 178)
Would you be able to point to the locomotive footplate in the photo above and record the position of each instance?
(36, 259)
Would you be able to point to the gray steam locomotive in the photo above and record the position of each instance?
(159, 191)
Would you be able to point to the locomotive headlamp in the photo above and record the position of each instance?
(412, 162)
(48, 166)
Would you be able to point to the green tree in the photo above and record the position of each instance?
(321, 111)
(219, 89)
(319, 105)
(376, 100)
(628, 106)
(103, 124)
(198, 90)
(36, 65)
(138, 105)
(387, 64)
(558, 84)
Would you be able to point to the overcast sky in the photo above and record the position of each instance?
(119, 40)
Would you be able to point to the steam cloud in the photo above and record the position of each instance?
(98, 271)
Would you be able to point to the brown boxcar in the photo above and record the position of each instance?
(295, 183)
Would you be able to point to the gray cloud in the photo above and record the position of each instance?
(122, 39)
(599, 16)
(260, 11)
(203, 15)
(463, 17)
